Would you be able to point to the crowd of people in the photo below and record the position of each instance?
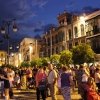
(45, 80)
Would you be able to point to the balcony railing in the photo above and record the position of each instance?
(93, 32)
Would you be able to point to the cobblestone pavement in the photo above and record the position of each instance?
(31, 95)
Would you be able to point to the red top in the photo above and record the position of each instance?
(40, 77)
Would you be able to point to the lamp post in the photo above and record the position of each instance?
(14, 46)
(7, 36)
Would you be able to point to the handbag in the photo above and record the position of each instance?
(42, 86)
(59, 82)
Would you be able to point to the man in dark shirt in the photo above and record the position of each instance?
(35, 70)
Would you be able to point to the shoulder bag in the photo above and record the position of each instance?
(59, 82)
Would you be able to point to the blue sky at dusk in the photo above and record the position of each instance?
(36, 16)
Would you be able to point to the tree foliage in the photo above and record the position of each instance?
(82, 53)
(66, 57)
(9, 66)
(45, 61)
(25, 64)
(37, 61)
(55, 58)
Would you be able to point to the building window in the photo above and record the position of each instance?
(56, 37)
(61, 36)
(53, 51)
(96, 44)
(70, 36)
(82, 41)
(52, 40)
(63, 48)
(70, 46)
(76, 32)
(76, 43)
(40, 49)
(56, 50)
(48, 52)
(48, 41)
(95, 29)
(82, 30)
(1, 55)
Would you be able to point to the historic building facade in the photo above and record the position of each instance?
(3, 57)
(70, 31)
(29, 49)
(93, 32)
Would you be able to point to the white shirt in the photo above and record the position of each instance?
(97, 75)
(52, 75)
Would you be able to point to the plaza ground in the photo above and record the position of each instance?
(31, 95)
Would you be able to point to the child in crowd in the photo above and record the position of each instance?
(17, 81)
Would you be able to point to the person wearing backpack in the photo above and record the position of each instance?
(41, 88)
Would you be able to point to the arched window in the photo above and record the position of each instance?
(76, 32)
(52, 40)
(63, 48)
(82, 30)
(56, 50)
(48, 41)
(52, 50)
(56, 38)
(48, 52)
(70, 36)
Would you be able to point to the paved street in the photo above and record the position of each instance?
(31, 95)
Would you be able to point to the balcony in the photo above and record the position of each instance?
(93, 32)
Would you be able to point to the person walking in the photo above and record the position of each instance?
(52, 80)
(78, 75)
(5, 77)
(66, 82)
(40, 77)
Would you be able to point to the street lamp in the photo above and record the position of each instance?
(7, 36)
(13, 46)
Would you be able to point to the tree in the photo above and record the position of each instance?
(54, 59)
(37, 61)
(25, 64)
(66, 57)
(45, 61)
(9, 66)
(82, 53)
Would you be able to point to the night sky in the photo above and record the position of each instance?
(36, 16)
